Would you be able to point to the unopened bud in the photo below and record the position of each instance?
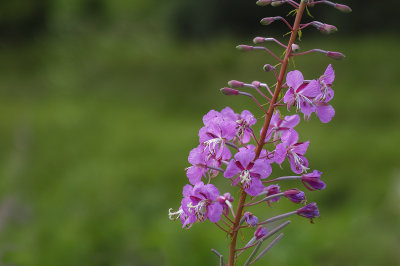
(244, 48)
(266, 21)
(343, 8)
(276, 3)
(295, 47)
(324, 28)
(229, 91)
(263, 2)
(335, 55)
(235, 84)
(256, 83)
(268, 68)
(257, 40)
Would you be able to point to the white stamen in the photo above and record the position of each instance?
(174, 215)
(245, 178)
(212, 143)
(199, 209)
(299, 162)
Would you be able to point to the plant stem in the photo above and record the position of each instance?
(242, 200)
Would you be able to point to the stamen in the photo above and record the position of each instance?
(177, 214)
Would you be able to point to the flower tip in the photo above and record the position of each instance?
(229, 91)
(257, 40)
(268, 68)
(328, 29)
(244, 48)
(343, 8)
(335, 55)
(263, 2)
(235, 84)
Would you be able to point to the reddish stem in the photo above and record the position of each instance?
(242, 200)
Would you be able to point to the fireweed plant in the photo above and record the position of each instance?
(225, 150)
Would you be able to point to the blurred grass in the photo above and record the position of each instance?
(95, 131)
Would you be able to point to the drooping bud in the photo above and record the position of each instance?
(235, 84)
(335, 55)
(250, 219)
(268, 20)
(260, 232)
(295, 47)
(309, 211)
(229, 91)
(268, 68)
(343, 8)
(257, 40)
(312, 180)
(263, 2)
(244, 48)
(295, 195)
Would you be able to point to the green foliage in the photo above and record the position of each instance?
(95, 132)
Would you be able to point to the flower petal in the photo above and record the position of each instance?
(231, 169)
(325, 113)
(294, 79)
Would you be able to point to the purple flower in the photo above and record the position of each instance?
(309, 211)
(225, 201)
(294, 151)
(312, 180)
(200, 159)
(200, 202)
(218, 128)
(250, 219)
(272, 190)
(260, 232)
(250, 173)
(325, 84)
(301, 94)
(245, 121)
(295, 195)
(324, 111)
(279, 127)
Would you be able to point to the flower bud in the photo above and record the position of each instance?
(324, 28)
(260, 232)
(257, 40)
(309, 211)
(229, 91)
(343, 8)
(244, 48)
(263, 2)
(335, 55)
(266, 21)
(268, 68)
(250, 219)
(235, 84)
(276, 3)
(295, 195)
(295, 47)
(256, 83)
(312, 180)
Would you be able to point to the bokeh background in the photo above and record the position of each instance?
(101, 102)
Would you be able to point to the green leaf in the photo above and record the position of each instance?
(308, 12)
(293, 12)
(300, 33)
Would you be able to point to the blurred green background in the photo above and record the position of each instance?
(101, 102)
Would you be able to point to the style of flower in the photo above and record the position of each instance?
(301, 94)
(249, 173)
(225, 202)
(279, 127)
(294, 150)
(200, 202)
(312, 180)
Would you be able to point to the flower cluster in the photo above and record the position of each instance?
(232, 149)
